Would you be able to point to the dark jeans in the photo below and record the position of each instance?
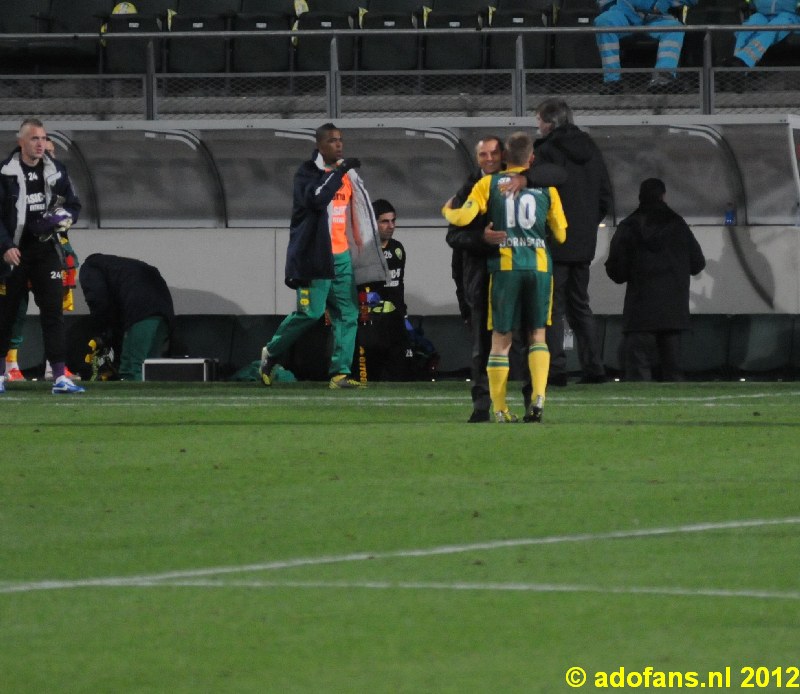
(41, 266)
(571, 301)
(645, 350)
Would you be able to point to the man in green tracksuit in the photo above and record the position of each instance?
(333, 246)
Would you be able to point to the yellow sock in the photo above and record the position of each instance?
(497, 370)
(11, 356)
(539, 364)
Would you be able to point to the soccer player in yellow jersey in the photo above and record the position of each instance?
(521, 274)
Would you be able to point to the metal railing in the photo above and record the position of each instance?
(514, 91)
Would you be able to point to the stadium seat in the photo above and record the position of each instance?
(284, 8)
(128, 55)
(313, 52)
(413, 7)
(519, 13)
(201, 54)
(264, 15)
(710, 12)
(208, 8)
(462, 52)
(351, 8)
(576, 51)
(156, 8)
(389, 52)
(23, 17)
(69, 17)
(268, 54)
(20, 18)
(479, 7)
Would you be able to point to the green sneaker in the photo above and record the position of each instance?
(344, 381)
(505, 417)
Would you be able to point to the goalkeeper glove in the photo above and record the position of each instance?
(101, 358)
(350, 163)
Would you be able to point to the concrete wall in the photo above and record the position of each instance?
(240, 271)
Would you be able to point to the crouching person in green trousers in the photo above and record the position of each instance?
(130, 305)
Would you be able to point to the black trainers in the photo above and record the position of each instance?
(534, 413)
(478, 416)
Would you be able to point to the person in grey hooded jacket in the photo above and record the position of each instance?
(586, 197)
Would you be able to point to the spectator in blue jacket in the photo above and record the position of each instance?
(751, 45)
(623, 13)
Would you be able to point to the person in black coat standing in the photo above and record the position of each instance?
(130, 304)
(586, 198)
(655, 252)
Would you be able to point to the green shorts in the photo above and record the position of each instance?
(520, 299)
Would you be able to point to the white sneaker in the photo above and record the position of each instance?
(64, 385)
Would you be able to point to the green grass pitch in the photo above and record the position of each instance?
(231, 538)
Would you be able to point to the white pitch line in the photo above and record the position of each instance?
(394, 400)
(121, 581)
(420, 404)
(755, 593)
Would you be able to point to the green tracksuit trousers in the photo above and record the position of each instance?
(340, 297)
(142, 340)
